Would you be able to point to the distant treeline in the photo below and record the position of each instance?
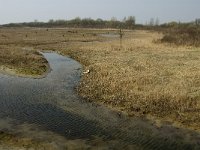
(128, 23)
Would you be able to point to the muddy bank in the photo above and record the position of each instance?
(49, 111)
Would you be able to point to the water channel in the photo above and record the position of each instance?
(49, 109)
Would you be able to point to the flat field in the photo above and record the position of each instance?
(141, 76)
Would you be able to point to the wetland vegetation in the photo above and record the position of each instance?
(155, 73)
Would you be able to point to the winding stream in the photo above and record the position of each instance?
(49, 109)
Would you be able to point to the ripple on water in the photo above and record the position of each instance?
(51, 106)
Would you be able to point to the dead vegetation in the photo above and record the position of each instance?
(22, 61)
(141, 78)
(16, 57)
(189, 35)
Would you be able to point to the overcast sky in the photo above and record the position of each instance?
(143, 10)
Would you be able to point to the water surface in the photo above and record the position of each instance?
(49, 109)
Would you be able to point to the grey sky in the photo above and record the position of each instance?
(143, 10)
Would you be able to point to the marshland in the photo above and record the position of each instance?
(94, 83)
(145, 77)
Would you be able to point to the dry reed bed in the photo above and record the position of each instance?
(143, 77)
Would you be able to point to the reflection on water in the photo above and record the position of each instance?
(49, 110)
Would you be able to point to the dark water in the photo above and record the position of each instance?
(49, 108)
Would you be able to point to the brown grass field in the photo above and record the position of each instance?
(144, 77)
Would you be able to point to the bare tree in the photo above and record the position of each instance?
(151, 22)
(130, 22)
(197, 21)
(120, 36)
(157, 22)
